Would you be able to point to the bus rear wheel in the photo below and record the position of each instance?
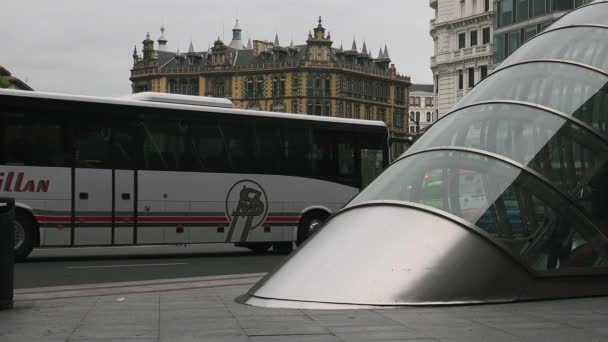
(309, 224)
(24, 236)
(258, 247)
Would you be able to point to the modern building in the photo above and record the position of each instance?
(421, 109)
(462, 37)
(501, 200)
(516, 21)
(314, 77)
(11, 82)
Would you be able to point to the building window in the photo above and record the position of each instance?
(436, 84)
(412, 116)
(506, 17)
(412, 129)
(357, 112)
(486, 5)
(539, 8)
(513, 41)
(259, 87)
(563, 5)
(398, 118)
(294, 106)
(381, 115)
(484, 71)
(473, 38)
(428, 116)
(348, 113)
(327, 109)
(461, 40)
(460, 80)
(411, 100)
(471, 77)
(417, 101)
(522, 10)
(530, 32)
(428, 101)
(499, 43)
(485, 35)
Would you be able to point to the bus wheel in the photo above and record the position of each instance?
(283, 247)
(258, 247)
(309, 224)
(24, 236)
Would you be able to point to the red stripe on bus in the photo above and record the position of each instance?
(156, 219)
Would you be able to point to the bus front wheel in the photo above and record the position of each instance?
(309, 224)
(24, 235)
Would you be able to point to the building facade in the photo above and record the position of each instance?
(516, 21)
(462, 37)
(422, 108)
(314, 78)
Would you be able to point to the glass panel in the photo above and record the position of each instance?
(561, 151)
(530, 32)
(499, 43)
(237, 139)
(507, 12)
(513, 41)
(92, 146)
(522, 10)
(539, 7)
(208, 147)
(563, 5)
(31, 140)
(574, 90)
(524, 214)
(267, 154)
(163, 145)
(579, 44)
(592, 14)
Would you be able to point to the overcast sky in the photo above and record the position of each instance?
(85, 46)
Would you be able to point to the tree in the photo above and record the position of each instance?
(4, 82)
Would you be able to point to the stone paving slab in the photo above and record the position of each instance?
(195, 311)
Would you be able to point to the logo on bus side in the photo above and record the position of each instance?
(247, 204)
(10, 182)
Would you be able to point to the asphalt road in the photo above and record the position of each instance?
(75, 266)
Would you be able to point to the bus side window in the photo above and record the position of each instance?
(163, 144)
(208, 147)
(267, 154)
(297, 152)
(30, 140)
(92, 145)
(237, 139)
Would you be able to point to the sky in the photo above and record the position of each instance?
(85, 47)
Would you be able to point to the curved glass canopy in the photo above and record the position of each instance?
(563, 151)
(594, 13)
(504, 198)
(515, 207)
(584, 45)
(568, 88)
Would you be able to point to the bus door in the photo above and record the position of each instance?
(92, 185)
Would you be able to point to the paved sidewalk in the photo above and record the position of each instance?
(203, 309)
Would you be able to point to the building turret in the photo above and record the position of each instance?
(135, 55)
(236, 42)
(148, 47)
(383, 60)
(162, 41)
(318, 46)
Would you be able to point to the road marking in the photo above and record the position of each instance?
(133, 265)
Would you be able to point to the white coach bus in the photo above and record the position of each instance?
(172, 169)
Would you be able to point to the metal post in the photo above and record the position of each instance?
(7, 253)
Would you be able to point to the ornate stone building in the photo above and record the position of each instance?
(313, 78)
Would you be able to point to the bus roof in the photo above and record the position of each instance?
(129, 101)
